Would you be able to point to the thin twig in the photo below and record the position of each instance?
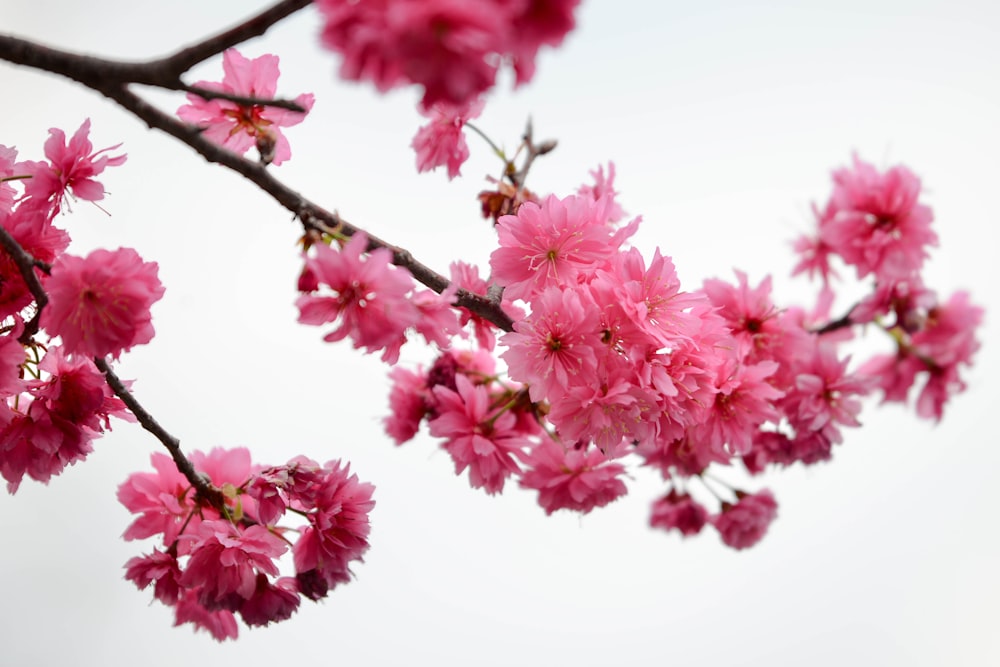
(205, 488)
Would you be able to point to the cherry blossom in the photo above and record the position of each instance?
(578, 479)
(442, 142)
(236, 126)
(72, 167)
(744, 524)
(100, 304)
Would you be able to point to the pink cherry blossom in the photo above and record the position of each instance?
(450, 47)
(54, 422)
(72, 167)
(442, 142)
(270, 603)
(554, 347)
(237, 126)
(370, 297)
(408, 404)
(337, 533)
(31, 227)
(744, 524)
(225, 561)
(577, 479)
(100, 304)
(478, 438)
(604, 186)
(553, 244)
(875, 223)
(680, 512)
(466, 276)
(160, 569)
(221, 623)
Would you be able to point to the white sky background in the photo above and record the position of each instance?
(724, 120)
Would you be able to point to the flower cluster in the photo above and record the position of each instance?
(611, 359)
(373, 301)
(875, 223)
(53, 399)
(452, 48)
(239, 126)
(219, 560)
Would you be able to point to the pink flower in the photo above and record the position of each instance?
(337, 509)
(270, 603)
(824, 395)
(408, 403)
(31, 227)
(221, 624)
(477, 437)
(12, 355)
(604, 186)
(744, 401)
(72, 166)
(225, 561)
(369, 297)
(158, 568)
(61, 416)
(162, 499)
(236, 126)
(680, 512)
(100, 304)
(441, 142)
(554, 347)
(744, 524)
(875, 223)
(553, 244)
(451, 47)
(578, 479)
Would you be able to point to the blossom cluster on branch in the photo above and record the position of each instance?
(575, 357)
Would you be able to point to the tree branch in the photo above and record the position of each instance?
(112, 78)
(205, 488)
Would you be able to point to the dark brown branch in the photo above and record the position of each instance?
(204, 487)
(112, 78)
(242, 100)
(102, 74)
(26, 266)
(839, 323)
(190, 56)
(311, 215)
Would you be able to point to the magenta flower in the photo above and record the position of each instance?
(577, 479)
(221, 624)
(100, 304)
(744, 524)
(441, 142)
(337, 533)
(680, 512)
(555, 347)
(370, 297)
(225, 561)
(237, 126)
(553, 244)
(476, 437)
(270, 603)
(408, 403)
(55, 420)
(451, 47)
(31, 227)
(72, 166)
(875, 223)
(160, 569)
